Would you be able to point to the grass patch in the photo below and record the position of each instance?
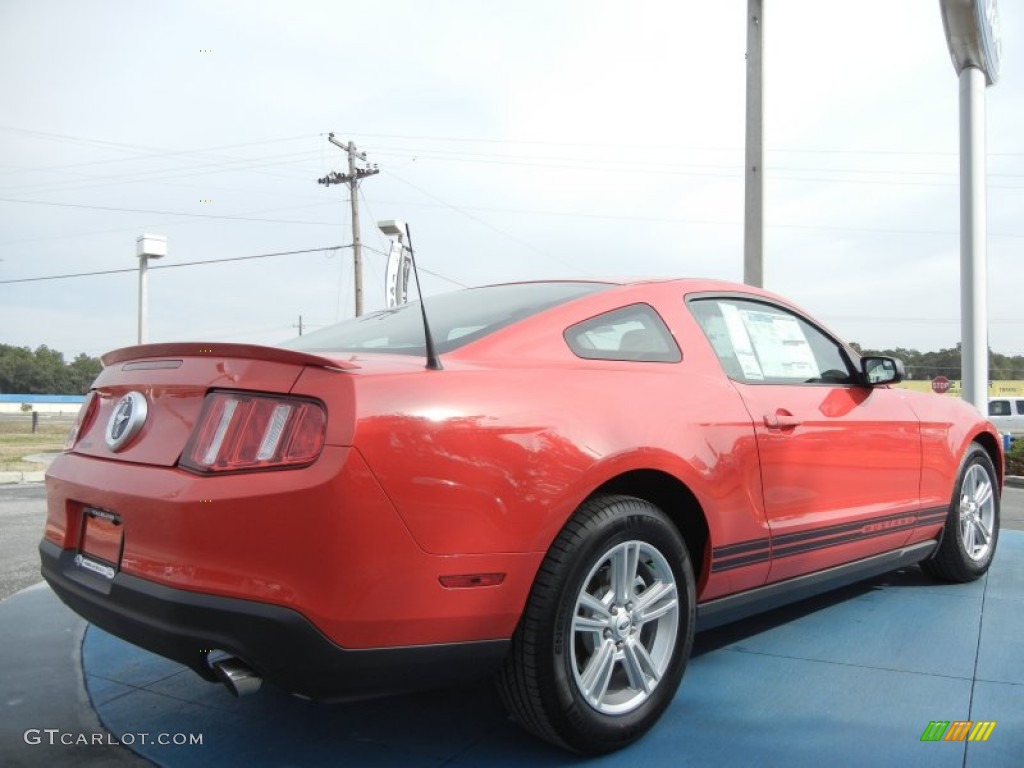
(17, 440)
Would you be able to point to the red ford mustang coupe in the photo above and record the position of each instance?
(577, 476)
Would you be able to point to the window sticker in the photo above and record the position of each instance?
(741, 345)
(781, 346)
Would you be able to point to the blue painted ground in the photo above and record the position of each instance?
(848, 679)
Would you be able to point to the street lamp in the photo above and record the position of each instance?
(402, 238)
(147, 247)
(972, 32)
(396, 278)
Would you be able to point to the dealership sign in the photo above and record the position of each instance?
(972, 31)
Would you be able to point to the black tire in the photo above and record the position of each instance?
(972, 528)
(572, 622)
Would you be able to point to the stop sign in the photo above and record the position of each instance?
(940, 384)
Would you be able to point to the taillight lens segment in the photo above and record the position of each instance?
(239, 431)
(83, 421)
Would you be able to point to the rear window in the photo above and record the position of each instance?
(455, 318)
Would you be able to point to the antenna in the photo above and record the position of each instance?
(400, 231)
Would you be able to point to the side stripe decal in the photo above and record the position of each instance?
(753, 551)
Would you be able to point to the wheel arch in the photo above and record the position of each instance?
(992, 448)
(673, 497)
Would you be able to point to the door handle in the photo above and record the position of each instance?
(781, 420)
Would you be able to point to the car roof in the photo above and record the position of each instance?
(687, 284)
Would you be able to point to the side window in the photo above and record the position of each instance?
(998, 407)
(635, 333)
(1020, 407)
(763, 344)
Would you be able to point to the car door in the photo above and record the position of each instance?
(1000, 413)
(840, 461)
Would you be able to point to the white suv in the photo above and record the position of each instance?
(1007, 413)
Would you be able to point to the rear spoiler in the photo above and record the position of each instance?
(179, 349)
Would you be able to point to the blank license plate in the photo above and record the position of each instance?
(102, 535)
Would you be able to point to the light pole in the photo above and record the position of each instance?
(147, 247)
(396, 278)
(753, 175)
(399, 232)
(972, 32)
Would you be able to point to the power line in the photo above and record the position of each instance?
(676, 220)
(446, 153)
(174, 266)
(142, 151)
(464, 209)
(215, 261)
(178, 213)
(482, 222)
(665, 169)
(145, 152)
(840, 151)
(205, 169)
(158, 152)
(588, 163)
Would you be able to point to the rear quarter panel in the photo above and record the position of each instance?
(495, 452)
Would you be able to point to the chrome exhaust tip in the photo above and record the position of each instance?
(237, 676)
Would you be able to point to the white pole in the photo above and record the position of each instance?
(973, 262)
(143, 264)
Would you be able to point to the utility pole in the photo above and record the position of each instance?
(352, 178)
(299, 326)
(753, 209)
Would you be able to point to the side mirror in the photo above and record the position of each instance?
(881, 370)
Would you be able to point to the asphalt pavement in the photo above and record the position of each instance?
(42, 690)
(22, 513)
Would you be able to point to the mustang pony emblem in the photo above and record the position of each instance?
(127, 419)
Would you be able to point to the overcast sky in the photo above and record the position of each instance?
(520, 140)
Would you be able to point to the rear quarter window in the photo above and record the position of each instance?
(633, 333)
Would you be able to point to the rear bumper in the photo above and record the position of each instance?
(279, 643)
(323, 541)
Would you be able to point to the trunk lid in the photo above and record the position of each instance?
(174, 380)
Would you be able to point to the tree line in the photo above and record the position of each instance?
(946, 362)
(45, 372)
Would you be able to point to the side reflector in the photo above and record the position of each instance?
(464, 580)
(241, 431)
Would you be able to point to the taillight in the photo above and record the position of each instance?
(239, 431)
(83, 420)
